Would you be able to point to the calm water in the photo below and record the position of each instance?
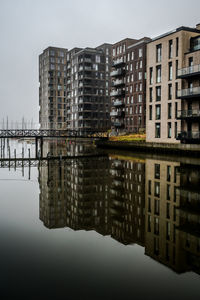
(121, 226)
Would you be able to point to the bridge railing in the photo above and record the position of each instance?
(22, 133)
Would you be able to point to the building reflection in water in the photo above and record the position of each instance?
(153, 203)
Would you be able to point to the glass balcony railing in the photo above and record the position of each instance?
(118, 62)
(117, 72)
(189, 136)
(117, 93)
(115, 113)
(118, 82)
(189, 70)
(118, 103)
(190, 92)
(194, 113)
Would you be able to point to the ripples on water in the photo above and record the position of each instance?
(119, 226)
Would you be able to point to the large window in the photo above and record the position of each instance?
(151, 75)
(169, 110)
(158, 74)
(158, 93)
(170, 48)
(158, 53)
(170, 71)
(158, 112)
(170, 91)
(169, 129)
(157, 130)
(150, 112)
(150, 95)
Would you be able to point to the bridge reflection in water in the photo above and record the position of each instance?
(150, 202)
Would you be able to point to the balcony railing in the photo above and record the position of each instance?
(118, 103)
(118, 82)
(117, 93)
(194, 113)
(189, 136)
(189, 71)
(190, 92)
(117, 72)
(118, 62)
(117, 124)
(115, 113)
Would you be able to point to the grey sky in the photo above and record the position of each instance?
(29, 26)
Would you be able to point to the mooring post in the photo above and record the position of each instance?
(36, 147)
(15, 159)
(22, 152)
(29, 153)
(41, 146)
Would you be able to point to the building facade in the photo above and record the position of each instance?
(52, 89)
(167, 91)
(74, 88)
(128, 95)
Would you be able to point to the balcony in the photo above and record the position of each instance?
(117, 93)
(188, 114)
(189, 93)
(118, 83)
(115, 113)
(118, 72)
(189, 137)
(189, 71)
(118, 103)
(118, 62)
(117, 124)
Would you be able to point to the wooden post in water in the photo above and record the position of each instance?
(15, 158)
(29, 170)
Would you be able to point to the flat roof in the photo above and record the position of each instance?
(173, 31)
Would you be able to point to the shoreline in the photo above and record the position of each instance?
(146, 147)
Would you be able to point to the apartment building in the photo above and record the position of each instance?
(170, 94)
(74, 88)
(52, 92)
(128, 93)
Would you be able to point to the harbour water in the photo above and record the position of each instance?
(118, 226)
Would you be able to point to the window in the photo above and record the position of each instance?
(157, 189)
(140, 98)
(132, 55)
(176, 68)
(168, 173)
(150, 112)
(158, 112)
(140, 52)
(113, 51)
(177, 46)
(175, 130)
(151, 75)
(140, 75)
(157, 130)
(168, 231)
(158, 93)
(158, 74)
(170, 48)
(149, 187)
(156, 246)
(98, 59)
(158, 53)
(168, 210)
(169, 129)
(149, 223)
(169, 91)
(156, 226)
(141, 64)
(149, 204)
(157, 207)
(150, 95)
(176, 89)
(157, 171)
(168, 191)
(169, 110)
(170, 71)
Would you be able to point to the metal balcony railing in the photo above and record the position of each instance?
(118, 103)
(189, 70)
(117, 72)
(195, 91)
(117, 93)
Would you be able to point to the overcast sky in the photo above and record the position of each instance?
(29, 26)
